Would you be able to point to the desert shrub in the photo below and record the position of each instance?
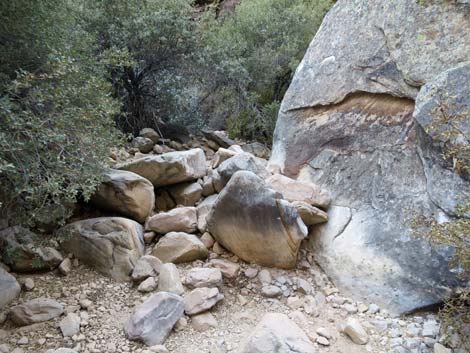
(56, 112)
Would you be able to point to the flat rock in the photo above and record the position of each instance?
(277, 333)
(152, 321)
(147, 266)
(255, 223)
(201, 299)
(35, 310)
(126, 193)
(169, 279)
(169, 168)
(111, 245)
(179, 247)
(181, 219)
(9, 288)
(203, 277)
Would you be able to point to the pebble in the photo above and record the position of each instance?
(323, 341)
(265, 276)
(251, 272)
(271, 291)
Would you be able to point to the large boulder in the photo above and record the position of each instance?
(346, 124)
(153, 320)
(36, 310)
(9, 288)
(177, 247)
(111, 245)
(169, 168)
(126, 193)
(276, 333)
(255, 223)
(21, 250)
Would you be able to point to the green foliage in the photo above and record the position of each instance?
(253, 54)
(56, 119)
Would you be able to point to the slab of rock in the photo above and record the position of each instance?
(150, 134)
(186, 194)
(201, 299)
(111, 245)
(346, 124)
(9, 288)
(126, 193)
(169, 168)
(242, 161)
(203, 322)
(203, 210)
(181, 219)
(21, 252)
(220, 156)
(35, 310)
(219, 137)
(147, 266)
(203, 277)
(255, 223)
(179, 247)
(310, 215)
(294, 190)
(355, 331)
(169, 279)
(277, 333)
(153, 320)
(229, 269)
(70, 325)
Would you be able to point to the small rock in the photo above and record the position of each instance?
(373, 309)
(86, 304)
(323, 341)
(203, 322)
(207, 240)
(321, 331)
(251, 272)
(158, 349)
(149, 237)
(439, 348)
(271, 291)
(169, 279)
(201, 299)
(149, 285)
(147, 266)
(70, 325)
(203, 277)
(355, 331)
(430, 328)
(28, 284)
(178, 247)
(218, 249)
(265, 276)
(23, 341)
(65, 266)
(229, 269)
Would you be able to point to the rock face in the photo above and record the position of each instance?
(111, 245)
(126, 193)
(20, 252)
(36, 310)
(253, 222)
(346, 124)
(169, 168)
(9, 288)
(276, 333)
(153, 320)
(177, 247)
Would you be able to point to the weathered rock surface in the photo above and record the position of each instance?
(9, 288)
(181, 219)
(242, 161)
(253, 222)
(186, 194)
(203, 210)
(201, 299)
(276, 333)
(147, 266)
(177, 247)
(36, 310)
(346, 125)
(21, 252)
(153, 320)
(203, 277)
(169, 168)
(126, 193)
(111, 245)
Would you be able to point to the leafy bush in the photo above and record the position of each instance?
(56, 119)
(253, 54)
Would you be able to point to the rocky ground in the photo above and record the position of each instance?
(103, 306)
